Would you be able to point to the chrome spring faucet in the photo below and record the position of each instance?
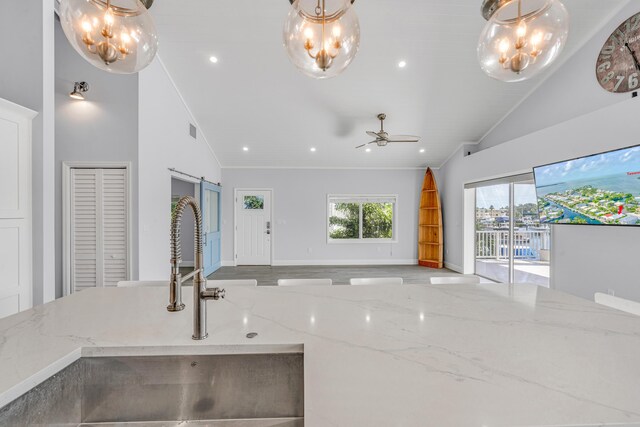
(200, 291)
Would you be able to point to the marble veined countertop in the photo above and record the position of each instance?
(484, 355)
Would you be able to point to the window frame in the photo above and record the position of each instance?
(363, 199)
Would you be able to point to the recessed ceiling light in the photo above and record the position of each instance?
(402, 64)
(368, 150)
(313, 149)
(213, 59)
(245, 148)
(422, 150)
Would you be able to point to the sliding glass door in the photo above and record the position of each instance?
(511, 246)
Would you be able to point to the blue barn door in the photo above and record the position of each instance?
(210, 204)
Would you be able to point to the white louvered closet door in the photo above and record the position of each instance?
(99, 228)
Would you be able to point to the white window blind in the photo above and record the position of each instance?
(362, 199)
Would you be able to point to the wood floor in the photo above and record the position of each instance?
(268, 276)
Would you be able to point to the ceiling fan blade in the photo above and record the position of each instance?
(360, 146)
(372, 134)
(403, 138)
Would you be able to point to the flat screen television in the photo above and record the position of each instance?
(601, 189)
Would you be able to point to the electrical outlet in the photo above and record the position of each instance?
(309, 250)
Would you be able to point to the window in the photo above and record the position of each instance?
(366, 219)
(254, 202)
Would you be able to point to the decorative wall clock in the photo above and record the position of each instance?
(618, 65)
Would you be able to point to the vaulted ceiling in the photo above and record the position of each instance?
(254, 97)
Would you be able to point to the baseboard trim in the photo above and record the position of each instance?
(329, 262)
(454, 267)
(187, 264)
(311, 262)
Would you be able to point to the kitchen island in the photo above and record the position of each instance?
(451, 355)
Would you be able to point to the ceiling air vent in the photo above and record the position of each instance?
(193, 131)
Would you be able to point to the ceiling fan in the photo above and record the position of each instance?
(382, 138)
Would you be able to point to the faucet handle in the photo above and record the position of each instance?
(213, 293)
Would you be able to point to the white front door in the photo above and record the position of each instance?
(253, 227)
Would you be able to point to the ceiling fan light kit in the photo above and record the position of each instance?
(522, 37)
(118, 36)
(321, 36)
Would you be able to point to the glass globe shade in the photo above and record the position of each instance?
(118, 36)
(514, 47)
(322, 45)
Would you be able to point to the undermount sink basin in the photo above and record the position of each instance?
(246, 390)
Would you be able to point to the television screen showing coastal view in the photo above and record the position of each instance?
(602, 189)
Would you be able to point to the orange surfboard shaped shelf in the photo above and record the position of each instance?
(430, 244)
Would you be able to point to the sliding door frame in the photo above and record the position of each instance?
(511, 180)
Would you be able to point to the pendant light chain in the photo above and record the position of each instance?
(519, 11)
(324, 21)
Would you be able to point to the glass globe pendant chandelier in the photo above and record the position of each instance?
(322, 36)
(118, 36)
(522, 37)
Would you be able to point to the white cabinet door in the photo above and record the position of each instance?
(114, 229)
(253, 227)
(15, 209)
(99, 228)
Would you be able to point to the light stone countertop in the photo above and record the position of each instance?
(484, 355)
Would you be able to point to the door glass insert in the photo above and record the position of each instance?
(492, 232)
(211, 221)
(253, 202)
(531, 240)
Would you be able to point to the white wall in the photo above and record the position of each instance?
(164, 142)
(300, 209)
(26, 78)
(103, 128)
(569, 92)
(585, 259)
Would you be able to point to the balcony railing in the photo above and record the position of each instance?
(527, 244)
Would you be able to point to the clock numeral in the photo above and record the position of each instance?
(608, 50)
(608, 77)
(620, 80)
(604, 67)
(636, 22)
(633, 81)
(614, 41)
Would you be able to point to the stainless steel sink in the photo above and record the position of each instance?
(254, 390)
